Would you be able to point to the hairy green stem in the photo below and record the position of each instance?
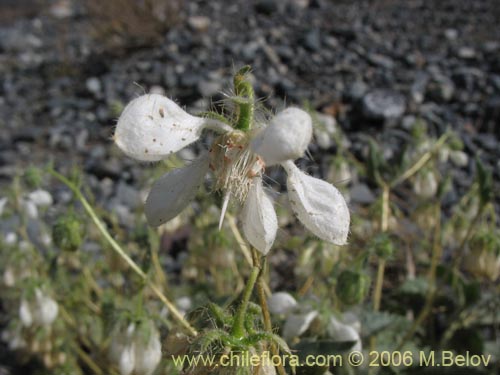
(118, 249)
(246, 107)
(238, 328)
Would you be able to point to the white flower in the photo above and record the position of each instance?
(426, 184)
(281, 303)
(344, 332)
(40, 311)
(136, 351)
(297, 324)
(152, 127)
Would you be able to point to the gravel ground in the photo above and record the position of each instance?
(376, 65)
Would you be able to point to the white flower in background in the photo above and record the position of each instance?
(281, 303)
(345, 330)
(425, 184)
(40, 311)
(137, 350)
(152, 127)
(297, 324)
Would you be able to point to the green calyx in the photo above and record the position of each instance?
(245, 99)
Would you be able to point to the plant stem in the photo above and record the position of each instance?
(436, 256)
(384, 224)
(117, 248)
(420, 162)
(238, 329)
(244, 89)
(266, 316)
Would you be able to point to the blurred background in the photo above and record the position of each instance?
(67, 67)
(384, 79)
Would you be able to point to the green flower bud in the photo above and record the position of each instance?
(32, 177)
(352, 287)
(67, 233)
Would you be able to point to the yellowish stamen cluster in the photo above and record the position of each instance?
(234, 164)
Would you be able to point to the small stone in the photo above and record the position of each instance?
(459, 158)
(312, 40)
(41, 198)
(94, 86)
(451, 34)
(383, 104)
(467, 53)
(199, 23)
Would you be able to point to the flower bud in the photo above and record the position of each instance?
(426, 184)
(352, 287)
(67, 233)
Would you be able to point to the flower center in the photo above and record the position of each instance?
(234, 164)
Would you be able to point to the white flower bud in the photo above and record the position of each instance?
(341, 332)
(260, 223)
(297, 324)
(40, 198)
(29, 208)
(152, 127)
(286, 137)
(318, 205)
(174, 190)
(148, 356)
(9, 278)
(127, 360)
(46, 309)
(425, 184)
(281, 303)
(459, 158)
(25, 314)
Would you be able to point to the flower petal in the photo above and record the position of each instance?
(286, 137)
(297, 324)
(260, 223)
(152, 127)
(342, 332)
(174, 190)
(281, 303)
(318, 205)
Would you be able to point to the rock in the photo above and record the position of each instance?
(199, 23)
(266, 6)
(466, 53)
(128, 195)
(209, 88)
(441, 89)
(451, 34)
(381, 60)
(312, 40)
(356, 90)
(383, 104)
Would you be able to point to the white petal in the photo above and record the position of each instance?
(41, 198)
(281, 303)
(174, 190)
(3, 202)
(318, 205)
(148, 358)
(342, 332)
(286, 137)
(260, 223)
(152, 127)
(127, 360)
(47, 310)
(297, 324)
(25, 314)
